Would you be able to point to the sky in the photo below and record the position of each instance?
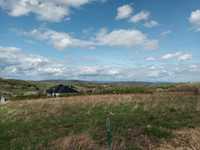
(100, 40)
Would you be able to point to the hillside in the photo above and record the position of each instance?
(16, 87)
(13, 88)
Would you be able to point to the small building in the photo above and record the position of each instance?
(59, 90)
(3, 99)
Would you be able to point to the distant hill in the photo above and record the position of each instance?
(13, 88)
(104, 82)
(9, 87)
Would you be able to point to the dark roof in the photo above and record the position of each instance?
(61, 89)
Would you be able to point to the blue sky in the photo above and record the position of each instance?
(129, 40)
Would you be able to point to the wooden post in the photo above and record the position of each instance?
(109, 133)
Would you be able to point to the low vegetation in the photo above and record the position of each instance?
(138, 121)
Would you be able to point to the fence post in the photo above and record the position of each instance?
(109, 133)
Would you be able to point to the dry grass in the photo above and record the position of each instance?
(56, 105)
(73, 119)
(185, 139)
(78, 142)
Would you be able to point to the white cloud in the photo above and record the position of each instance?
(60, 40)
(151, 24)
(127, 38)
(157, 73)
(141, 16)
(124, 11)
(167, 32)
(144, 16)
(185, 57)
(48, 10)
(150, 58)
(195, 19)
(177, 55)
(194, 67)
(171, 55)
(120, 38)
(98, 71)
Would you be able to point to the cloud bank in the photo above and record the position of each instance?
(47, 10)
(15, 63)
(116, 38)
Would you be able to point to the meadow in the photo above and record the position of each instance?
(159, 121)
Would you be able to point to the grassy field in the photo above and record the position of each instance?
(138, 121)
